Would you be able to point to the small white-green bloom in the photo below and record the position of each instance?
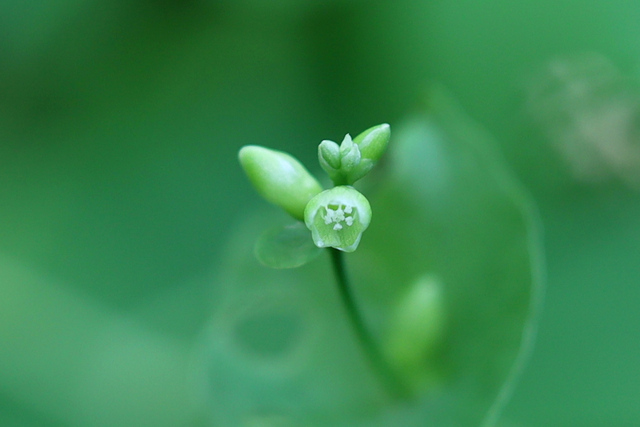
(337, 218)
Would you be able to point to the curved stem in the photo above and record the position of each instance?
(370, 348)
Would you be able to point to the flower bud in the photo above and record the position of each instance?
(349, 154)
(329, 155)
(337, 218)
(373, 142)
(371, 145)
(417, 328)
(279, 178)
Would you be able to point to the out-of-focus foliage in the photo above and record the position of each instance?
(286, 246)
(119, 127)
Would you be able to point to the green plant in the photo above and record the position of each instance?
(439, 294)
(336, 218)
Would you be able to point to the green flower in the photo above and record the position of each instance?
(337, 218)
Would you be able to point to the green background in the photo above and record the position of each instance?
(119, 186)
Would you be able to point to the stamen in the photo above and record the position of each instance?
(337, 214)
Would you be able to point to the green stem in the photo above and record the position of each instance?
(371, 350)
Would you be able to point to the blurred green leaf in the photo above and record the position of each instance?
(451, 210)
(287, 246)
(279, 346)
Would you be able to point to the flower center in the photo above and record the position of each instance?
(338, 215)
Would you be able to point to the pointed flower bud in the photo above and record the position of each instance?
(373, 141)
(337, 218)
(349, 154)
(279, 178)
(372, 144)
(329, 156)
(416, 329)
